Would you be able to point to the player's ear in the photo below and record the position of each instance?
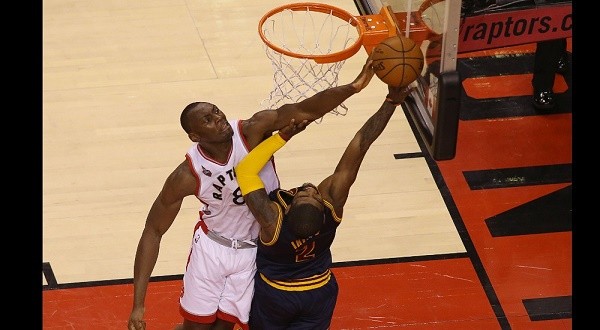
(193, 137)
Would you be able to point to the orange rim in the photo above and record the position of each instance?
(322, 8)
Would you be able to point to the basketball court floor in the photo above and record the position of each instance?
(479, 241)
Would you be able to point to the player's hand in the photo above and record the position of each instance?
(398, 94)
(365, 76)
(292, 129)
(136, 319)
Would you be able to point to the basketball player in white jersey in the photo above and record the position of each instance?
(218, 281)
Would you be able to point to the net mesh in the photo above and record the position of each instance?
(432, 14)
(304, 32)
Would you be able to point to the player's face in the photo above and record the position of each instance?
(209, 124)
(308, 193)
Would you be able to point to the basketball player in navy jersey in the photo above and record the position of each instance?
(294, 286)
(218, 282)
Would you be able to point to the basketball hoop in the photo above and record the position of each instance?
(307, 44)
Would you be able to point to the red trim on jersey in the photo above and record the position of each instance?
(214, 160)
(242, 136)
(191, 166)
(203, 225)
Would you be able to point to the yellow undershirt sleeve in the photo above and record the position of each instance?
(247, 169)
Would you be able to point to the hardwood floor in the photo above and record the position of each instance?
(116, 77)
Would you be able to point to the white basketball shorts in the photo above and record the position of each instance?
(218, 281)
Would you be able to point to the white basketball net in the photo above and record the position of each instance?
(305, 32)
(433, 15)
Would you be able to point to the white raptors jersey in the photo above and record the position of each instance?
(223, 208)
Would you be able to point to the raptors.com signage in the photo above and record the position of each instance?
(515, 27)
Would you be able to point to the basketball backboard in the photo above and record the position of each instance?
(434, 105)
(453, 27)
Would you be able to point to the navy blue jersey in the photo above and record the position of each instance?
(294, 287)
(297, 264)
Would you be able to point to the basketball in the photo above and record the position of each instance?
(397, 61)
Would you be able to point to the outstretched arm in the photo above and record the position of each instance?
(253, 189)
(164, 210)
(263, 123)
(337, 186)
